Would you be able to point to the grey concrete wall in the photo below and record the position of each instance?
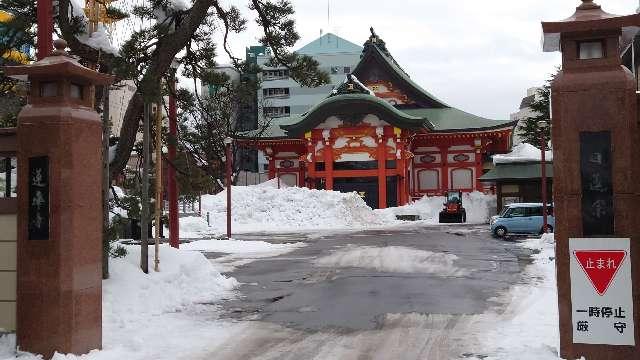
(8, 242)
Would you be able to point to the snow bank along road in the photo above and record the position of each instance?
(422, 293)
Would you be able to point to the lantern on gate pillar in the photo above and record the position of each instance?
(596, 187)
(59, 272)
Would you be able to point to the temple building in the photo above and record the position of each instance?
(382, 135)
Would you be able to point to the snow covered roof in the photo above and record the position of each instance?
(522, 153)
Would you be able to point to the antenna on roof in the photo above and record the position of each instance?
(329, 14)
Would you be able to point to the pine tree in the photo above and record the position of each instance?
(167, 29)
(528, 129)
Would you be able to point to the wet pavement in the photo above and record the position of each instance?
(290, 291)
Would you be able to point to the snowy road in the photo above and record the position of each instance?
(397, 294)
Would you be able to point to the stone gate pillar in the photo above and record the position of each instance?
(59, 293)
(596, 186)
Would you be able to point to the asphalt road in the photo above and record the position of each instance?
(299, 310)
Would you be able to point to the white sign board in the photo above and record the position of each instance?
(602, 304)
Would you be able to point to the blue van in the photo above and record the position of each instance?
(521, 218)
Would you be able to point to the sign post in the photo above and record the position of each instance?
(596, 188)
(601, 299)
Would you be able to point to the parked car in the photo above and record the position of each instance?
(521, 218)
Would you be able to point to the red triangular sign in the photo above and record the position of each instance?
(600, 266)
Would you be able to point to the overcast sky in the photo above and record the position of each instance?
(477, 55)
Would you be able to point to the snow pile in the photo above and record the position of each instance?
(142, 314)
(522, 153)
(76, 9)
(240, 252)
(193, 227)
(479, 208)
(397, 259)
(7, 344)
(265, 208)
(185, 278)
(180, 5)
(528, 329)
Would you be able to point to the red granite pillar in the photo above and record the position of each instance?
(59, 296)
(596, 147)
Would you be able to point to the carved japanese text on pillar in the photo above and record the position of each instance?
(39, 198)
(597, 188)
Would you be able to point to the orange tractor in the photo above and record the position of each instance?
(453, 211)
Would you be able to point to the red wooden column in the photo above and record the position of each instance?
(44, 14)
(401, 168)
(444, 153)
(310, 161)
(328, 162)
(301, 174)
(382, 171)
(478, 146)
(272, 166)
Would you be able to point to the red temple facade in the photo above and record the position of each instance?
(383, 136)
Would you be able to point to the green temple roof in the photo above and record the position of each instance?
(517, 171)
(352, 100)
(354, 104)
(455, 120)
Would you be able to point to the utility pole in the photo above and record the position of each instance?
(144, 197)
(158, 165)
(106, 130)
(542, 126)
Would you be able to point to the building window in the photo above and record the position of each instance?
(428, 180)
(275, 74)
(275, 92)
(277, 111)
(462, 179)
(288, 180)
(347, 69)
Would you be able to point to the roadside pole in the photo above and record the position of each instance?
(44, 16)
(229, 159)
(106, 130)
(158, 169)
(144, 197)
(542, 126)
(174, 226)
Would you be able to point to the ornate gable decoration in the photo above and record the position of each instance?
(351, 85)
(375, 40)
